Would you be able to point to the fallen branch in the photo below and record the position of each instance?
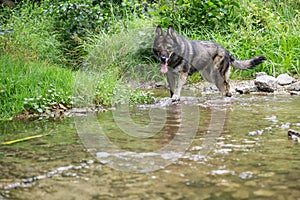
(24, 139)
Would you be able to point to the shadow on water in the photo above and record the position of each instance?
(201, 148)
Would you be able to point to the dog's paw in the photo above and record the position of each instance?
(175, 98)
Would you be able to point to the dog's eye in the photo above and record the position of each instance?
(156, 51)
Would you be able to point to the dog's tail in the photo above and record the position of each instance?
(247, 64)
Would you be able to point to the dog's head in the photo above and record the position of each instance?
(164, 46)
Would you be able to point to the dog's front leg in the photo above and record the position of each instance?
(181, 81)
(171, 78)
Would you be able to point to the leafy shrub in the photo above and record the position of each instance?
(28, 32)
(47, 102)
(141, 97)
(190, 15)
(74, 21)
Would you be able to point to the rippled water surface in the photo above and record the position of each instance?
(201, 148)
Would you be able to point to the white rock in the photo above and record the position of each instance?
(266, 83)
(284, 79)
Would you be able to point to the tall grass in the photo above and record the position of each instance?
(21, 80)
(269, 28)
(127, 53)
(32, 36)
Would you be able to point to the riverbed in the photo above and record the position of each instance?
(206, 147)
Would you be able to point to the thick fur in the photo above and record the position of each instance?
(181, 57)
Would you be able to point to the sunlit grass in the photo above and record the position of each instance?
(21, 79)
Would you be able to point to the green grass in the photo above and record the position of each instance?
(21, 79)
(127, 53)
(270, 29)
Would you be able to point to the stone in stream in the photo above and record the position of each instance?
(294, 135)
(284, 79)
(246, 89)
(294, 86)
(265, 83)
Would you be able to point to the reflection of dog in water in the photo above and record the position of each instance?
(181, 57)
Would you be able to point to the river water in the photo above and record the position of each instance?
(200, 148)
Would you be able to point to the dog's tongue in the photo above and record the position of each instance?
(164, 68)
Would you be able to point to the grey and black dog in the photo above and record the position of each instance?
(181, 57)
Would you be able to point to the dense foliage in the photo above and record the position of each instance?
(185, 14)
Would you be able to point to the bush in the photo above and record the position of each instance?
(31, 33)
(74, 21)
(191, 15)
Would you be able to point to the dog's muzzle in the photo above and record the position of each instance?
(164, 64)
(164, 58)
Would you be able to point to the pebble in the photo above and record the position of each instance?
(222, 172)
(246, 89)
(251, 183)
(241, 194)
(246, 175)
(264, 193)
(258, 132)
(267, 174)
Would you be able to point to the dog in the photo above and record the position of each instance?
(181, 58)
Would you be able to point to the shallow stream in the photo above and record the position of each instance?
(200, 148)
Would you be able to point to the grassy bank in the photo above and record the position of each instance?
(32, 86)
(47, 58)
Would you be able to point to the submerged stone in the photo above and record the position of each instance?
(241, 194)
(264, 193)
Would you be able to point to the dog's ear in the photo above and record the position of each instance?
(171, 31)
(158, 31)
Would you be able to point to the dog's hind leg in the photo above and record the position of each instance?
(227, 89)
(221, 74)
(226, 83)
(221, 83)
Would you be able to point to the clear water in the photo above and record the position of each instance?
(202, 148)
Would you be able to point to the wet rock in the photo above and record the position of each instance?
(160, 85)
(266, 83)
(246, 175)
(295, 92)
(165, 102)
(210, 89)
(284, 79)
(261, 74)
(246, 89)
(222, 172)
(294, 86)
(257, 132)
(294, 135)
